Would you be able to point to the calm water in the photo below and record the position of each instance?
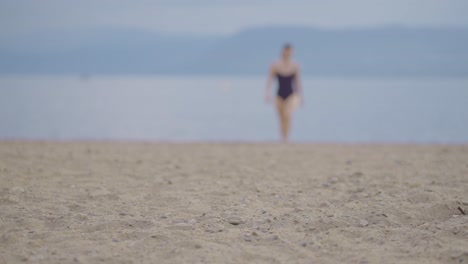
(232, 109)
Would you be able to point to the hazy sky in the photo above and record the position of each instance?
(225, 16)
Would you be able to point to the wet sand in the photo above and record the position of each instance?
(90, 202)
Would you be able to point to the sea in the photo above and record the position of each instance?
(232, 109)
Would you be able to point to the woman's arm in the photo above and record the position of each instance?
(269, 86)
(298, 84)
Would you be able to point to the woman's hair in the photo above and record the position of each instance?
(287, 46)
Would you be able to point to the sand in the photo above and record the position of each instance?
(232, 203)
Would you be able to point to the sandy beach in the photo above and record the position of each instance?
(90, 202)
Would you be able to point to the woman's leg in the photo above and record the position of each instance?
(285, 115)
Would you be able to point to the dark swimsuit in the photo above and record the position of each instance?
(285, 85)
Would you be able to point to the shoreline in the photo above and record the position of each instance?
(230, 142)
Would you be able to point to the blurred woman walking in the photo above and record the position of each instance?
(289, 94)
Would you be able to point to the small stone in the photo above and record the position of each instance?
(303, 244)
(274, 237)
(359, 190)
(323, 205)
(263, 211)
(364, 222)
(326, 184)
(234, 220)
(17, 190)
(465, 202)
(247, 238)
(334, 180)
(166, 215)
(458, 254)
(456, 230)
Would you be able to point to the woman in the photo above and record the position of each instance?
(289, 94)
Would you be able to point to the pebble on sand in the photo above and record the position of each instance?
(234, 220)
(358, 174)
(458, 254)
(274, 237)
(364, 222)
(17, 190)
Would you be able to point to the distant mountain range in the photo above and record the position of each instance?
(387, 51)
